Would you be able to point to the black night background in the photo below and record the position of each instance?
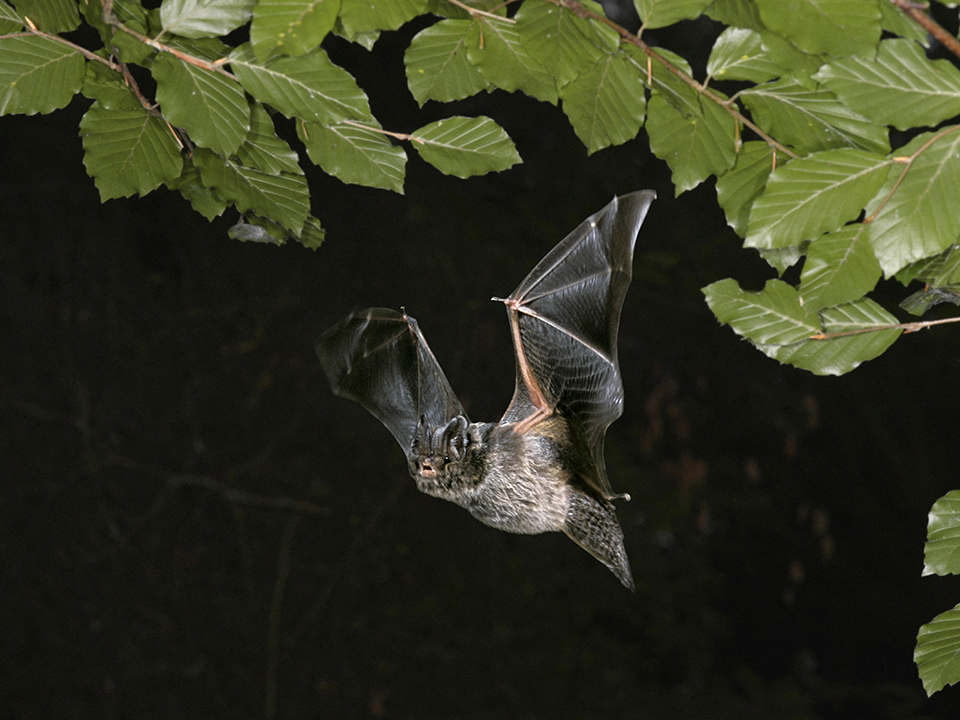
(193, 526)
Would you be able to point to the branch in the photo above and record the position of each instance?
(584, 12)
(906, 327)
(916, 11)
(214, 66)
(33, 30)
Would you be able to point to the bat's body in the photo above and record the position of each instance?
(540, 468)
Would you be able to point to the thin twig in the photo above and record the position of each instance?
(33, 30)
(916, 12)
(476, 11)
(907, 161)
(371, 128)
(273, 624)
(212, 65)
(906, 327)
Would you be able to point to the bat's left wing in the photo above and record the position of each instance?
(379, 358)
(564, 318)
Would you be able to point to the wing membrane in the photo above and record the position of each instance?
(379, 358)
(564, 317)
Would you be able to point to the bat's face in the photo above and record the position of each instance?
(447, 461)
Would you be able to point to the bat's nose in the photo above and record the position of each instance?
(430, 466)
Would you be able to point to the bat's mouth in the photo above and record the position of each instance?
(429, 467)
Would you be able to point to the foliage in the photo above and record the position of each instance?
(799, 143)
(938, 643)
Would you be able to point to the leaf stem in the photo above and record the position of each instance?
(907, 161)
(214, 66)
(371, 128)
(584, 12)
(915, 11)
(476, 11)
(906, 327)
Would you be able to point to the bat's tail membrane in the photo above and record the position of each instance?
(593, 525)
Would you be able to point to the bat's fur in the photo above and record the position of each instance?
(519, 483)
(540, 468)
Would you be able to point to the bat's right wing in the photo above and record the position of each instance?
(564, 318)
(378, 358)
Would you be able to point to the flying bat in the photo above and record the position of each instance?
(541, 467)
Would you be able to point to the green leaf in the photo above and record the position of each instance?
(773, 316)
(107, 87)
(694, 147)
(132, 14)
(813, 195)
(840, 267)
(366, 15)
(282, 198)
(309, 87)
(742, 184)
(355, 155)
(128, 151)
(939, 270)
(203, 199)
(210, 49)
(941, 554)
(465, 146)
(782, 259)
(660, 13)
(494, 46)
(840, 355)
(738, 55)
(605, 105)
(37, 75)
(811, 120)
(897, 22)
(204, 18)
(738, 13)
(920, 218)
(446, 9)
(290, 27)
(919, 302)
(564, 43)
(10, 20)
(795, 63)
(437, 65)
(313, 234)
(52, 16)
(212, 108)
(366, 39)
(898, 87)
(263, 150)
(837, 27)
(938, 651)
(662, 81)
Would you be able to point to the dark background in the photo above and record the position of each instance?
(192, 526)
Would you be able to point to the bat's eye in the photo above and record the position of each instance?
(446, 459)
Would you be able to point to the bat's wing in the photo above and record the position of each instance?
(564, 318)
(378, 358)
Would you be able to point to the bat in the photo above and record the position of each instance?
(541, 467)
